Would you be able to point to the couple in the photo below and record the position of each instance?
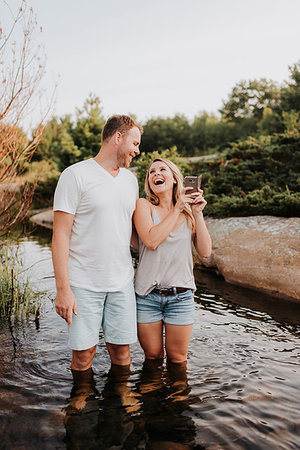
(94, 204)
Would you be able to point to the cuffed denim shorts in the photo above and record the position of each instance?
(114, 311)
(176, 309)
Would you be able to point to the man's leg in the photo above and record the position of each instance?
(119, 354)
(119, 324)
(84, 332)
(83, 359)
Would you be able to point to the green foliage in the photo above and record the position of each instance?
(146, 159)
(86, 133)
(44, 175)
(257, 140)
(66, 143)
(254, 177)
(161, 133)
(17, 297)
(290, 94)
(249, 99)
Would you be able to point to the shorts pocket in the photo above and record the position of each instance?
(187, 295)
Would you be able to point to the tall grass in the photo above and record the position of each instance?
(18, 298)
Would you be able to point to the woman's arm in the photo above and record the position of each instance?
(202, 239)
(150, 234)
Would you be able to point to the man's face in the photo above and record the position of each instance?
(129, 147)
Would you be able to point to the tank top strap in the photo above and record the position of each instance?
(155, 216)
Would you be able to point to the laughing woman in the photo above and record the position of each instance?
(167, 223)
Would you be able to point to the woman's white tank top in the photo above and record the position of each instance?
(170, 265)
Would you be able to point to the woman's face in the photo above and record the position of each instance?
(160, 177)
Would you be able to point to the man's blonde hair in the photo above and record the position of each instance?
(119, 123)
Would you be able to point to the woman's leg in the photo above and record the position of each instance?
(177, 341)
(151, 339)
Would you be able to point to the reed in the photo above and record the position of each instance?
(18, 298)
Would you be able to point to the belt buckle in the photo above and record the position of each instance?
(164, 291)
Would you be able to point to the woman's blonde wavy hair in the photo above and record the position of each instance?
(177, 188)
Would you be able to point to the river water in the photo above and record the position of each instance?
(240, 389)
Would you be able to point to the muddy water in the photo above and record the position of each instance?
(240, 389)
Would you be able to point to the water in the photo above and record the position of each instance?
(240, 389)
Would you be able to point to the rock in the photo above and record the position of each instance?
(260, 252)
(44, 218)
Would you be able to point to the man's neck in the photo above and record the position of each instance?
(108, 163)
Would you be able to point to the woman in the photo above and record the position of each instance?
(167, 224)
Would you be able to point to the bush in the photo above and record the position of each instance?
(254, 177)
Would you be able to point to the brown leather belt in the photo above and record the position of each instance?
(170, 290)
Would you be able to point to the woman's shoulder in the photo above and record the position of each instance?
(143, 203)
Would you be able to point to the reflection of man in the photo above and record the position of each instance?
(93, 206)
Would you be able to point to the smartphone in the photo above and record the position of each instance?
(194, 182)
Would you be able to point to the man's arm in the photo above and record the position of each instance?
(65, 299)
(134, 242)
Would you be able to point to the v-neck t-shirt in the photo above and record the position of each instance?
(102, 205)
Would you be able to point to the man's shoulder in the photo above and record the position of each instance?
(79, 170)
(80, 166)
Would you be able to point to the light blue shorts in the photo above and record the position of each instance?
(176, 309)
(114, 311)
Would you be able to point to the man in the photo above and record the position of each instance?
(93, 206)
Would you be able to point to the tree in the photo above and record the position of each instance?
(57, 144)
(86, 133)
(290, 94)
(66, 142)
(248, 99)
(162, 133)
(22, 69)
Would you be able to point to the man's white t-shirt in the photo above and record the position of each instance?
(102, 205)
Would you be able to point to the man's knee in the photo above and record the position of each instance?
(83, 359)
(119, 354)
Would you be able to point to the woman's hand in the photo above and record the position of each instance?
(198, 203)
(184, 197)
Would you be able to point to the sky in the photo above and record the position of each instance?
(162, 57)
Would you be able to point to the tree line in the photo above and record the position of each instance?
(253, 108)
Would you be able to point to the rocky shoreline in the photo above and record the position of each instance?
(258, 252)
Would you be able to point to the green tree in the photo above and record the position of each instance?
(86, 133)
(57, 144)
(248, 99)
(290, 94)
(66, 142)
(161, 133)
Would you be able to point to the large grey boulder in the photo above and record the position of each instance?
(260, 252)
(43, 218)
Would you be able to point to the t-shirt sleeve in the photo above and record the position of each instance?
(67, 193)
(136, 188)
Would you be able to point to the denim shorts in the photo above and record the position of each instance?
(115, 312)
(176, 309)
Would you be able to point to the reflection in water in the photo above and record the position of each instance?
(165, 400)
(152, 415)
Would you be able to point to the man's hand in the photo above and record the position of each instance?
(66, 305)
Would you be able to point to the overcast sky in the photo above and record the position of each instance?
(162, 57)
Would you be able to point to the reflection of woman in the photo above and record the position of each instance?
(167, 223)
